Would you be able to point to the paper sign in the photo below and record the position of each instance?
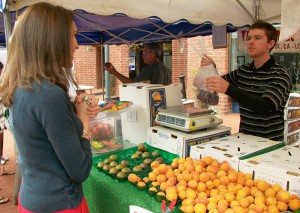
(219, 36)
(137, 209)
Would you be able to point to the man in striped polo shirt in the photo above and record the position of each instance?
(261, 88)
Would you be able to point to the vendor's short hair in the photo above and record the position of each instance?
(270, 30)
(1, 65)
(154, 47)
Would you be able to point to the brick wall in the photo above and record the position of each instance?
(88, 67)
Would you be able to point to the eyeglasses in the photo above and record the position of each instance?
(147, 52)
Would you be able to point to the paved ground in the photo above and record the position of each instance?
(7, 181)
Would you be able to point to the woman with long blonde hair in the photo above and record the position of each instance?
(54, 151)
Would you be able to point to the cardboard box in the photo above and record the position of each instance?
(291, 113)
(293, 101)
(292, 137)
(291, 131)
(149, 97)
(280, 166)
(179, 142)
(234, 148)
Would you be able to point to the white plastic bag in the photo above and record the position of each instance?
(204, 95)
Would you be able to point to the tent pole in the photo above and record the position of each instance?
(107, 75)
(7, 25)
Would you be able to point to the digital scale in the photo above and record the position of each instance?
(187, 118)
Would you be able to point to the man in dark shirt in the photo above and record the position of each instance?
(155, 73)
(261, 88)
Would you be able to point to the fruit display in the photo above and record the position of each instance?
(114, 106)
(133, 164)
(207, 185)
(204, 185)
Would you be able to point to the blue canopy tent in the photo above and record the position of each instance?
(132, 22)
(120, 29)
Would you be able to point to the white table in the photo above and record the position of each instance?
(85, 87)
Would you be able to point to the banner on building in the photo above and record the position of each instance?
(290, 45)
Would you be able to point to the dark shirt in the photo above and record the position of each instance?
(262, 94)
(157, 73)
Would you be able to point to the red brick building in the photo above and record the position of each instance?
(87, 62)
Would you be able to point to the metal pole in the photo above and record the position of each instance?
(107, 75)
(7, 25)
(183, 90)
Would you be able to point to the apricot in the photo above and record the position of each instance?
(201, 187)
(263, 185)
(211, 205)
(192, 184)
(273, 209)
(282, 206)
(294, 204)
(283, 196)
(190, 193)
(207, 160)
(204, 177)
(200, 208)
(161, 178)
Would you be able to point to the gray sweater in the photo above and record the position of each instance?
(54, 158)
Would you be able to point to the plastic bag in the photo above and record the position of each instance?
(204, 95)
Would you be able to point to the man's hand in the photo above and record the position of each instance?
(110, 68)
(206, 61)
(216, 83)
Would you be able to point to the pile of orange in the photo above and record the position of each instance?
(207, 185)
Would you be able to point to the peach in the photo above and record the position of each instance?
(200, 208)
(294, 204)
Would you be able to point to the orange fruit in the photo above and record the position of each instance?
(271, 201)
(162, 168)
(294, 204)
(207, 160)
(283, 196)
(154, 164)
(133, 178)
(188, 201)
(204, 177)
(222, 205)
(270, 192)
(190, 193)
(244, 202)
(161, 178)
(276, 187)
(263, 185)
(182, 195)
(192, 184)
(273, 209)
(172, 181)
(201, 187)
(171, 195)
(200, 208)
(163, 186)
(152, 176)
(211, 205)
(282, 206)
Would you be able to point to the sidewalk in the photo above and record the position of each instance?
(7, 181)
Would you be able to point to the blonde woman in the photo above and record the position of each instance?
(54, 150)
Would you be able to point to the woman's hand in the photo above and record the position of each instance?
(92, 108)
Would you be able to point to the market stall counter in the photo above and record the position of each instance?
(107, 194)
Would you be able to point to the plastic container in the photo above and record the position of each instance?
(106, 130)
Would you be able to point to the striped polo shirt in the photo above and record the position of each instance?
(271, 81)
